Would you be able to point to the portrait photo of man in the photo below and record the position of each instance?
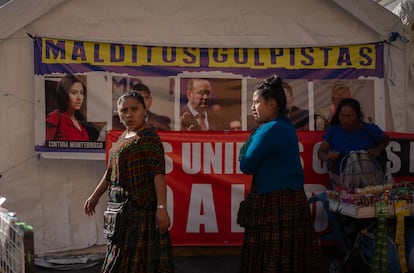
(209, 104)
(328, 94)
(157, 98)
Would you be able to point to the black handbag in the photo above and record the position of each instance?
(242, 214)
(242, 217)
(115, 214)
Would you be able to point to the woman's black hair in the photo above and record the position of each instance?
(132, 94)
(272, 88)
(62, 94)
(351, 102)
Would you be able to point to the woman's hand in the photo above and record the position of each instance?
(325, 153)
(374, 152)
(162, 220)
(332, 155)
(377, 150)
(90, 205)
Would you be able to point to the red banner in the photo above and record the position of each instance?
(205, 184)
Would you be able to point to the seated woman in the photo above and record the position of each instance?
(348, 132)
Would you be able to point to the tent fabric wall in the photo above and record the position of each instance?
(409, 87)
(229, 23)
(17, 14)
(49, 194)
(380, 20)
(399, 88)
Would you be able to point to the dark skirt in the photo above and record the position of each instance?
(143, 249)
(279, 236)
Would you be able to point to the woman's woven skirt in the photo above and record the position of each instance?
(142, 249)
(279, 236)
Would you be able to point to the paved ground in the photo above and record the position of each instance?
(193, 264)
(199, 262)
(183, 264)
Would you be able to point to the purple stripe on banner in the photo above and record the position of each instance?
(54, 50)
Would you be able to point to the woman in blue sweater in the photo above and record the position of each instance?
(279, 234)
(347, 132)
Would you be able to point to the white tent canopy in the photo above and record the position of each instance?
(230, 24)
(49, 194)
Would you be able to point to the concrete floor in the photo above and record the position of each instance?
(196, 260)
(191, 264)
(186, 260)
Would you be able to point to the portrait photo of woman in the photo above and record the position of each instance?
(66, 121)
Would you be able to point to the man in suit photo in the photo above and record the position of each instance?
(195, 115)
(158, 122)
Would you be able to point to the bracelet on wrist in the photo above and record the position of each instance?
(161, 206)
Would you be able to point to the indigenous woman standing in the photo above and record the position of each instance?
(137, 165)
(279, 234)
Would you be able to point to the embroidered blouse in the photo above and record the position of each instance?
(134, 162)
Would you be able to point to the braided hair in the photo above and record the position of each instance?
(272, 88)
